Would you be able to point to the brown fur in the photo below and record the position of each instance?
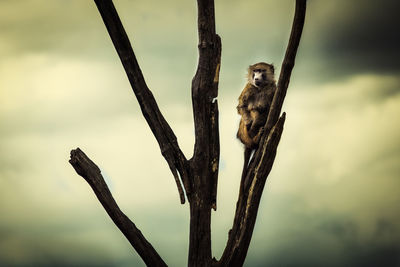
(254, 105)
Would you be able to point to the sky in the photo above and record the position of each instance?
(332, 198)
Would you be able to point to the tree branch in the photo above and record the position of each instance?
(249, 199)
(91, 173)
(288, 63)
(158, 125)
(260, 166)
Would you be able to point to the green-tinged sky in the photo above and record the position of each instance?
(332, 198)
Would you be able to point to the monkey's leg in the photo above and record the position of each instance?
(258, 121)
(247, 154)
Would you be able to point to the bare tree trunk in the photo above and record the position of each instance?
(199, 175)
(204, 164)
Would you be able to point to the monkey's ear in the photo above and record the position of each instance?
(273, 68)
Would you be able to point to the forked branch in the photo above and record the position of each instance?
(249, 199)
(261, 164)
(158, 125)
(88, 170)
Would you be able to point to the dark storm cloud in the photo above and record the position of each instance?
(357, 36)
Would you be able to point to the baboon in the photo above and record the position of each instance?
(254, 104)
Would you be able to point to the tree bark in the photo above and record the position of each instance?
(199, 175)
(204, 164)
(253, 182)
(249, 199)
(288, 63)
(162, 131)
(91, 173)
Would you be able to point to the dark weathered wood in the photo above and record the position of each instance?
(288, 63)
(88, 170)
(249, 199)
(204, 164)
(254, 179)
(199, 175)
(158, 125)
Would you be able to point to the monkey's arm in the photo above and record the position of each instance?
(242, 107)
(244, 99)
(259, 111)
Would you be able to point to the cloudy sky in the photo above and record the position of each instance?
(332, 198)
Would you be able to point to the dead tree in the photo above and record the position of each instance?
(198, 175)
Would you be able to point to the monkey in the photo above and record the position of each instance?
(254, 105)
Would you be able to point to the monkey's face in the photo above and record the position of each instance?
(259, 77)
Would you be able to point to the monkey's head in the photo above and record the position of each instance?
(261, 74)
